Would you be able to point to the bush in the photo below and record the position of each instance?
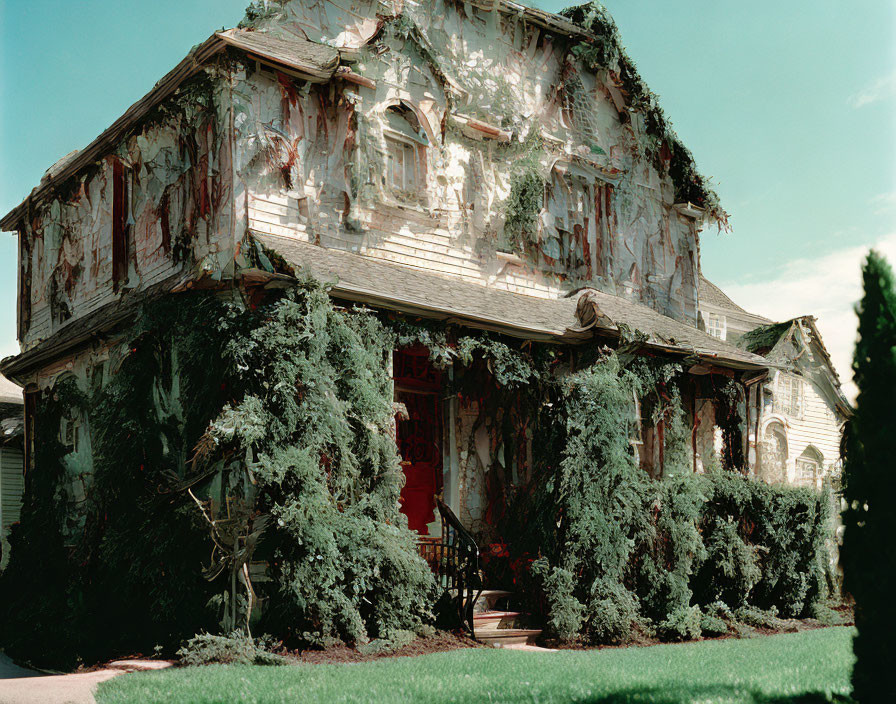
(624, 550)
(765, 544)
(682, 624)
(233, 649)
(717, 619)
(612, 613)
(277, 419)
(565, 611)
(757, 618)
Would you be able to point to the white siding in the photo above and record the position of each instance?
(12, 486)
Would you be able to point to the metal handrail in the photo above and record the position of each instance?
(455, 562)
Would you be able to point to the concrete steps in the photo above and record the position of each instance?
(500, 627)
(493, 620)
(502, 637)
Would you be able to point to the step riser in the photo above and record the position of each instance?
(498, 639)
(496, 624)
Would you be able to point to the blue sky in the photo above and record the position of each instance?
(789, 107)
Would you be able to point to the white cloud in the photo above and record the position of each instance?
(884, 203)
(827, 286)
(881, 89)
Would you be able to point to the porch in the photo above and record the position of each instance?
(470, 452)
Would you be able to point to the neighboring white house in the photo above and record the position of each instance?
(12, 478)
(802, 410)
(723, 318)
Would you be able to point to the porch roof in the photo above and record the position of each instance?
(399, 287)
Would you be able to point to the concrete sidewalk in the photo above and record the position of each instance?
(21, 686)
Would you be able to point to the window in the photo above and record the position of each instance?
(122, 221)
(774, 453)
(809, 466)
(806, 470)
(406, 145)
(403, 168)
(789, 395)
(715, 325)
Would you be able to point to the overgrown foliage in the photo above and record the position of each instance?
(664, 148)
(526, 199)
(236, 648)
(868, 553)
(622, 552)
(307, 453)
(105, 558)
(268, 427)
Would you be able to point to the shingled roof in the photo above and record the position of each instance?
(386, 285)
(713, 295)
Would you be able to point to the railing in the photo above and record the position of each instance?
(455, 561)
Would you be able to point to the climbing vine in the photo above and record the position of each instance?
(663, 147)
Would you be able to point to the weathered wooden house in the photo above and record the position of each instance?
(797, 433)
(480, 163)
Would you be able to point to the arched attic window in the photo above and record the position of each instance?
(406, 144)
(809, 466)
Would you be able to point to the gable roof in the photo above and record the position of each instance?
(712, 294)
(763, 339)
(398, 287)
(313, 61)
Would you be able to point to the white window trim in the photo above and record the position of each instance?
(716, 321)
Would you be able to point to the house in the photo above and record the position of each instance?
(482, 165)
(723, 318)
(12, 481)
(802, 408)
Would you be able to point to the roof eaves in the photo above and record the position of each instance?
(426, 294)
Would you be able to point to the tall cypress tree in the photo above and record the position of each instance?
(869, 550)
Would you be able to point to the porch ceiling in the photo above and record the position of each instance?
(384, 284)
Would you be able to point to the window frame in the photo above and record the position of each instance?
(787, 388)
(716, 322)
(408, 147)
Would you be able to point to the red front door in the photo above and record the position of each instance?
(417, 386)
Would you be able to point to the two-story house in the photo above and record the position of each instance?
(479, 163)
(802, 410)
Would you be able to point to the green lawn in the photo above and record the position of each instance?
(805, 667)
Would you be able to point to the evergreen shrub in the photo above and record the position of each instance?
(623, 552)
(275, 422)
(869, 557)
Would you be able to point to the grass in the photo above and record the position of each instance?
(808, 667)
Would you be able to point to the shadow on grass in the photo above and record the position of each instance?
(718, 694)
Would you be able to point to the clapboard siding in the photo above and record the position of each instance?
(12, 487)
(428, 250)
